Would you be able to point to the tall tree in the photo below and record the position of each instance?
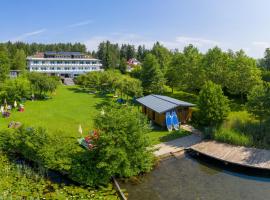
(265, 62)
(153, 80)
(243, 74)
(109, 54)
(141, 53)
(163, 56)
(19, 60)
(259, 102)
(216, 63)
(4, 64)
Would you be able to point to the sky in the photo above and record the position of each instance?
(229, 24)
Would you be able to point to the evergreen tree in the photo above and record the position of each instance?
(163, 56)
(153, 80)
(19, 60)
(4, 64)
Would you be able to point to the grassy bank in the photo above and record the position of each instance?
(19, 181)
(241, 128)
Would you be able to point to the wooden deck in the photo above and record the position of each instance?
(248, 157)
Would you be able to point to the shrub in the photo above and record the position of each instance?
(213, 105)
(15, 89)
(42, 83)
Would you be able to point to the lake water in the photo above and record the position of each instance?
(192, 179)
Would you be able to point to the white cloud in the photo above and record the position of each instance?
(196, 41)
(26, 35)
(130, 38)
(120, 38)
(261, 44)
(82, 23)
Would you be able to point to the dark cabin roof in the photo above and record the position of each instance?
(161, 104)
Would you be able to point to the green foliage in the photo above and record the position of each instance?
(123, 146)
(216, 63)
(213, 105)
(265, 61)
(127, 52)
(163, 55)
(109, 54)
(32, 48)
(15, 89)
(121, 150)
(4, 64)
(42, 83)
(123, 66)
(111, 81)
(153, 80)
(241, 128)
(243, 74)
(19, 181)
(19, 60)
(259, 101)
(232, 136)
(185, 70)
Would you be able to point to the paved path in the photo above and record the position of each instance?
(250, 157)
(166, 148)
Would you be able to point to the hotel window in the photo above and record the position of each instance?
(58, 68)
(81, 62)
(73, 62)
(51, 68)
(66, 62)
(52, 62)
(59, 62)
(80, 68)
(94, 68)
(43, 62)
(88, 62)
(73, 68)
(66, 68)
(35, 62)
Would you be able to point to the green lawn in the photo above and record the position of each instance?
(61, 114)
(68, 108)
(158, 136)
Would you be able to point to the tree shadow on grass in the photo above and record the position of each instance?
(79, 90)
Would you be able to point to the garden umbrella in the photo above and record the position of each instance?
(80, 129)
(15, 104)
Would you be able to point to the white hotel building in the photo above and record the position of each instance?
(64, 64)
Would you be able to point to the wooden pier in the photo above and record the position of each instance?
(239, 155)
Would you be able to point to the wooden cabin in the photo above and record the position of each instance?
(156, 106)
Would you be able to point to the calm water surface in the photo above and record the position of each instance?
(189, 179)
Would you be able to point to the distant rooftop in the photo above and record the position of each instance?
(60, 54)
(161, 104)
(64, 53)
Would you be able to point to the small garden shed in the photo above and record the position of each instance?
(156, 106)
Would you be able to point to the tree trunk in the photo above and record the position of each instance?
(172, 89)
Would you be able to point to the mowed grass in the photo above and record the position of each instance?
(62, 114)
(158, 136)
(67, 109)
